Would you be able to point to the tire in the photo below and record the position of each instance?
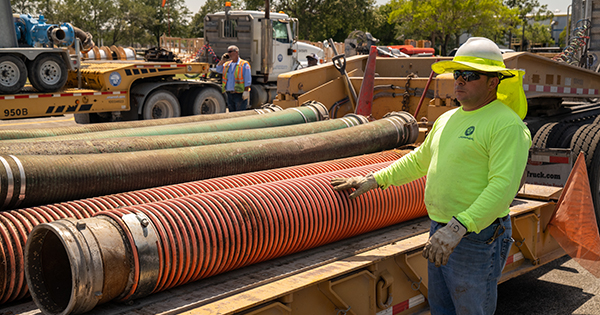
(540, 139)
(161, 104)
(48, 73)
(92, 118)
(207, 101)
(82, 118)
(13, 74)
(586, 140)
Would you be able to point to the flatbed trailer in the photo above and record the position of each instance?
(120, 90)
(379, 273)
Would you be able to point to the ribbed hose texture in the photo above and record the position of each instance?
(129, 144)
(29, 180)
(16, 225)
(207, 234)
(59, 131)
(290, 116)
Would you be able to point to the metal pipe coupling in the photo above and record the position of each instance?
(73, 265)
(408, 124)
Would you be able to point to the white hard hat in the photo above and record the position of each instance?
(482, 54)
(477, 53)
(480, 47)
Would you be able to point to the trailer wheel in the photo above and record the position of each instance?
(161, 104)
(208, 101)
(540, 140)
(586, 140)
(13, 74)
(48, 73)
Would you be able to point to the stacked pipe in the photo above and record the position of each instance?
(297, 115)
(59, 131)
(128, 144)
(29, 180)
(170, 243)
(15, 225)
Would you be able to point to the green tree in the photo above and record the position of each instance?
(196, 28)
(446, 20)
(382, 28)
(329, 18)
(528, 10)
(538, 35)
(26, 6)
(94, 16)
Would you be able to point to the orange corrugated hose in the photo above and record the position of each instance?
(16, 225)
(207, 234)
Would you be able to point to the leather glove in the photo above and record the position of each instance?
(443, 242)
(362, 184)
(245, 95)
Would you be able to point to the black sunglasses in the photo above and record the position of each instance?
(230, 51)
(469, 75)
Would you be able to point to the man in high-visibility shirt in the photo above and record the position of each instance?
(474, 158)
(237, 79)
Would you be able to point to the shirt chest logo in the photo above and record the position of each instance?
(468, 133)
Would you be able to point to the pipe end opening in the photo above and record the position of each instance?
(48, 271)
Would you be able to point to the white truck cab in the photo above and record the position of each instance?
(269, 45)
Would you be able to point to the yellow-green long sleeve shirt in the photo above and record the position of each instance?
(473, 160)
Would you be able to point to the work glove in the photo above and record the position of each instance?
(245, 95)
(362, 184)
(443, 242)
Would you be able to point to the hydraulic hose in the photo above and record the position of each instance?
(308, 112)
(128, 144)
(59, 131)
(15, 225)
(29, 180)
(170, 243)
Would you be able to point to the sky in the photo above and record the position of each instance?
(194, 5)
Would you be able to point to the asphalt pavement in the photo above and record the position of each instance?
(557, 288)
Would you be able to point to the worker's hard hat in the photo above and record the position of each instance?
(483, 55)
(312, 56)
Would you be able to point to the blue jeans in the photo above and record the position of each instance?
(468, 284)
(235, 102)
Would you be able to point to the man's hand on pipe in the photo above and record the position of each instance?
(443, 242)
(362, 184)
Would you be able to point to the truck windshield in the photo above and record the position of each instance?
(280, 32)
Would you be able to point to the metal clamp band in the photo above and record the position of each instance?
(397, 130)
(346, 122)
(146, 240)
(22, 178)
(301, 113)
(11, 182)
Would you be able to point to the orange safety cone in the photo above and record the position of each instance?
(365, 99)
(573, 223)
